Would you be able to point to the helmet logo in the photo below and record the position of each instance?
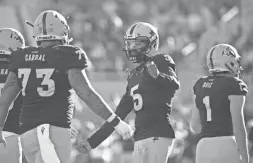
(151, 32)
(18, 38)
(228, 52)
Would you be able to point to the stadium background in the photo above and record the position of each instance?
(187, 28)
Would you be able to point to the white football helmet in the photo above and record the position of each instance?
(10, 40)
(224, 58)
(51, 25)
(141, 40)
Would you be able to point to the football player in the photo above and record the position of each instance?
(219, 100)
(45, 75)
(10, 40)
(150, 89)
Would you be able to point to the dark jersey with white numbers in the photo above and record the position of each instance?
(150, 98)
(212, 101)
(42, 74)
(12, 121)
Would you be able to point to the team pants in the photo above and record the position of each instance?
(47, 144)
(12, 153)
(153, 150)
(217, 150)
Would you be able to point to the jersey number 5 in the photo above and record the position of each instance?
(40, 73)
(137, 98)
(206, 102)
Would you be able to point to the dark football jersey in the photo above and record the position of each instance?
(150, 98)
(12, 121)
(151, 101)
(212, 101)
(45, 86)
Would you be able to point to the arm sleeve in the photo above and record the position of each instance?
(237, 87)
(122, 110)
(167, 77)
(74, 58)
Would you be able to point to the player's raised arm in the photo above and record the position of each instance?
(237, 108)
(9, 93)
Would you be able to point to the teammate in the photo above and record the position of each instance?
(10, 39)
(219, 100)
(150, 89)
(45, 76)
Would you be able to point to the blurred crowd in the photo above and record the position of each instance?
(187, 29)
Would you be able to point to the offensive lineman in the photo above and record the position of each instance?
(45, 75)
(150, 89)
(219, 100)
(10, 40)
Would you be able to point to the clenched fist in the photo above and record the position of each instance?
(125, 130)
(152, 69)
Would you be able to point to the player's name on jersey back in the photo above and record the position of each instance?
(35, 57)
(207, 84)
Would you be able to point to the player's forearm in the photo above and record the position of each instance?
(237, 109)
(83, 88)
(3, 113)
(96, 103)
(241, 139)
(99, 136)
(9, 93)
(122, 110)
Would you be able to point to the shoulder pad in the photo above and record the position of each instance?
(73, 56)
(164, 59)
(197, 83)
(72, 50)
(27, 49)
(69, 48)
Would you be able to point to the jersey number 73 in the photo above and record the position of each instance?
(44, 74)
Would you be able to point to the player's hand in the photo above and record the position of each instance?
(152, 69)
(74, 132)
(2, 140)
(83, 147)
(125, 130)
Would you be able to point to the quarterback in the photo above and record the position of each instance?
(150, 89)
(45, 75)
(10, 40)
(219, 100)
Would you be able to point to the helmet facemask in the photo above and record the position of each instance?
(136, 49)
(235, 67)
